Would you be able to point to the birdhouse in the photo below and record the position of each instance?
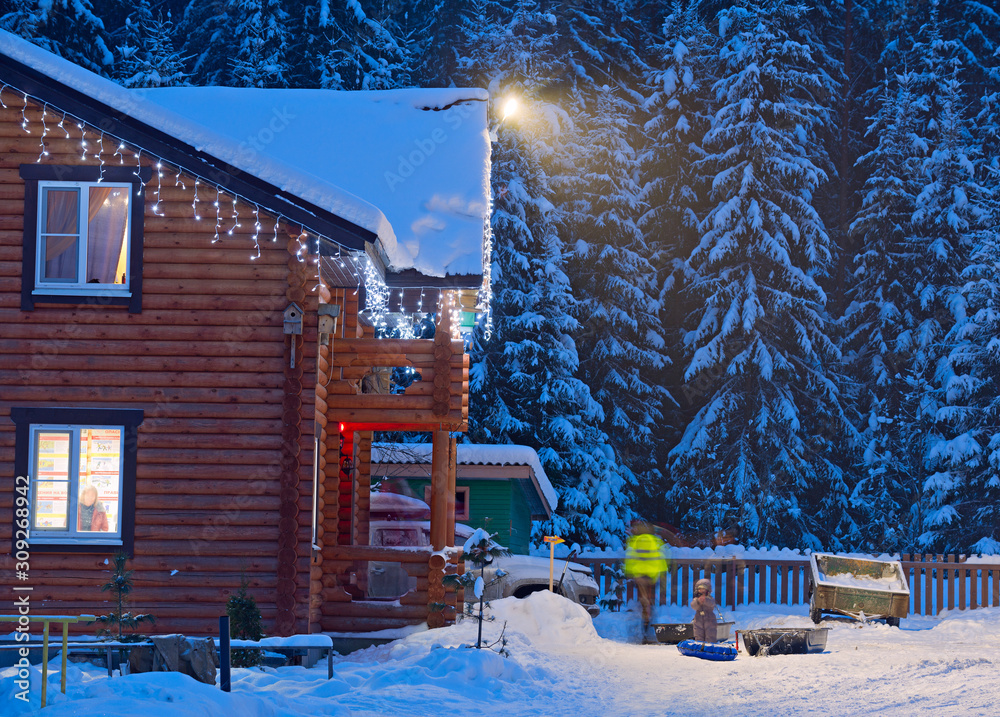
(327, 324)
(293, 319)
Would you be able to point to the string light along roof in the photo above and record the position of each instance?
(405, 170)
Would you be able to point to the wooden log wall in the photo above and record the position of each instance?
(223, 472)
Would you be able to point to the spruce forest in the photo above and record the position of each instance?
(745, 254)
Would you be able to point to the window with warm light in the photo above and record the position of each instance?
(78, 468)
(83, 230)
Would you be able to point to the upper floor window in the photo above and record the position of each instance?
(83, 231)
(82, 235)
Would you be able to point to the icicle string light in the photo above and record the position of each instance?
(45, 131)
(218, 215)
(361, 266)
(24, 117)
(256, 232)
(83, 141)
(100, 156)
(159, 178)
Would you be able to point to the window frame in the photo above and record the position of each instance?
(37, 176)
(42, 286)
(28, 420)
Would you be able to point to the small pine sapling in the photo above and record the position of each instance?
(121, 586)
(244, 624)
(480, 550)
(614, 599)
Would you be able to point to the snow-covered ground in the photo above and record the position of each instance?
(561, 663)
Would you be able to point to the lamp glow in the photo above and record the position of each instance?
(510, 107)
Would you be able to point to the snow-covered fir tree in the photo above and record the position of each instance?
(676, 115)
(524, 382)
(355, 49)
(757, 457)
(68, 28)
(952, 211)
(147, 57)
(621, 344)
(879, 323)
(261, 57)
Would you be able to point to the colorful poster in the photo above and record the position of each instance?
(51, 479)
(100, 469)
(51, 504)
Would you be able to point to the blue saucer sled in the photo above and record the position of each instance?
(707, 650)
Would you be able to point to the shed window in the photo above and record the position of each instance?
(82, 236)
(461, 501)
(80, 475)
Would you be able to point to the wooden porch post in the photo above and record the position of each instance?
(440, 460)
(452, 477)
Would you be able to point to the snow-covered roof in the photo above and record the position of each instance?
(472, 454)
(411, 166)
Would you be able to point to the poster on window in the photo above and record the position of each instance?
(51, 504)
(100, 479)
(51, 480)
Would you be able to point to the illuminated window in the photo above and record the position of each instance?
(81, 475)
(83, 229)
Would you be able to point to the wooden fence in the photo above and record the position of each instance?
(936, 582)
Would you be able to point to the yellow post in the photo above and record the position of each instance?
(62, 680)
(45, 658)
(553, 541)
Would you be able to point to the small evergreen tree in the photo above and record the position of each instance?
(480, 550)
(121, 587)
(244, 624)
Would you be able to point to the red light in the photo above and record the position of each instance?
(341, 427)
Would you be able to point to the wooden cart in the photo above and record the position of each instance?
(858, 587)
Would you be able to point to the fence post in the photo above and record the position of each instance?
(224, 675)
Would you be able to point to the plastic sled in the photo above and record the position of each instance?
(719, 651)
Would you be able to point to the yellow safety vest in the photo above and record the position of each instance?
(644, 556)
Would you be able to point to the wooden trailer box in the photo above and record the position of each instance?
(856, 586)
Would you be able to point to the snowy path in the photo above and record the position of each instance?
(559, 666)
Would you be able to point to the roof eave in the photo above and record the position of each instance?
(231, 179)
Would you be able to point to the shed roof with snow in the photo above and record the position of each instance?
(541, 494)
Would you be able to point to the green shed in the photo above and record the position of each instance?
(501, 488)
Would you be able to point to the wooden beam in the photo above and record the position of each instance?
(440, 459)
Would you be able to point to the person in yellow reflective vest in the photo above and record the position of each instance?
(645, 562)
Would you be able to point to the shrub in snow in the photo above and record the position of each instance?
(244, 624)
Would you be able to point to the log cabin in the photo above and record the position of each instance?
(194, 286)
